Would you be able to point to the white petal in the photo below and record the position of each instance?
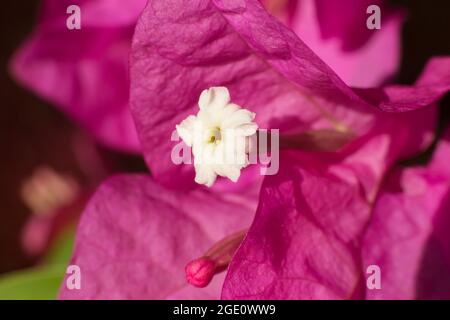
(186, 129)
(214, 97)
(229, 110)
(204, 154)
(204, 174)
(237, 118)
(229, 171)
(247, 129)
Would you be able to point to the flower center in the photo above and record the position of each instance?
(214, 135)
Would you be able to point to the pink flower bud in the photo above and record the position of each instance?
(199, 272)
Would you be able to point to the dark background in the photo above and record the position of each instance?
(33, 132)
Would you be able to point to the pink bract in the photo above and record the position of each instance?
(84, 72)
(180, 48)
(135, 238)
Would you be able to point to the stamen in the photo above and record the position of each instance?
(214, 135)
(199, 272)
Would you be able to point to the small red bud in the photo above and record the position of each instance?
(199, 272)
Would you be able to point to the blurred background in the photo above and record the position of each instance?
(49, 166)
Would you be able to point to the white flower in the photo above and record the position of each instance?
(218, 135)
